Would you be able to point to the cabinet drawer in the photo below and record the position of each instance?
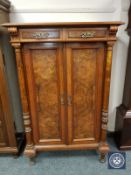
(40, 34)
(86, 33)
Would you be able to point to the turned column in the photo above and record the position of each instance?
(104, 148)
(25, 107)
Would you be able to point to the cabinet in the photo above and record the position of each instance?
(123, 114)
(7, 132)
(64, 76)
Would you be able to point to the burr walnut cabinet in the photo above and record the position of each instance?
(64, 76)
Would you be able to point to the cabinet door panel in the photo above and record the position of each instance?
(44, 69)
(84, 91)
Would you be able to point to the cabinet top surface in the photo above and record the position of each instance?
(59, 24)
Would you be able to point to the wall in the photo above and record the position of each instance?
(84, 10)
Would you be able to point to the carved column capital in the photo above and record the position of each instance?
(112, 32)
(110, 45)
(14, 34)
(113, 29)
(16, 45)
(13, 30)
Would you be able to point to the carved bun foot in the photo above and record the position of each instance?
(30, 152)
(103, 150)
(102, 157)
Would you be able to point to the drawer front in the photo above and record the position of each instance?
(40, 34)
(86, 33)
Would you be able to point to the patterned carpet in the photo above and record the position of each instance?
(62, 163)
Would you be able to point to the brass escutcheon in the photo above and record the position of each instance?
(87, 34)
(39, 35)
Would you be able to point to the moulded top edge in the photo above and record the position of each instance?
(57, 24)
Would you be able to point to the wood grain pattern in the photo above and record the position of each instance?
(84, 77)
(67, 83)
(85, 65)
(77, 32)
(45, 74)
(40, 34)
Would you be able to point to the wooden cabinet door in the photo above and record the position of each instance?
(84, 70)
(45, 83)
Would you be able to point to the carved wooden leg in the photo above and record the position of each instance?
(102, 157)
(30, 152)
(103, 150)
(103, 146)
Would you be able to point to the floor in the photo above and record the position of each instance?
(62, 163)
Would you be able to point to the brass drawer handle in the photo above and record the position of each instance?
(39, 35)
(87, 34)
(62, 99)
(69, 100)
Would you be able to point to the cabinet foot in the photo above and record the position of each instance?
(102, 157)
(32, 160)
(30, 152)
(103, 150)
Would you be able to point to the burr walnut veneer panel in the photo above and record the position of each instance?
(64, 75)
(44, 69)
(84, 83)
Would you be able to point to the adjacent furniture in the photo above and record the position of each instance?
(64, 77)
(7, 132)
(123, 115)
